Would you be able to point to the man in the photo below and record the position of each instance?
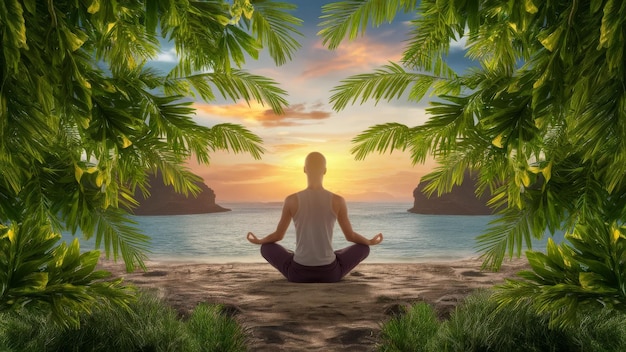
(314, 211)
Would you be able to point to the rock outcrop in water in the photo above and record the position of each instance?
(163, 200)
(461, 200)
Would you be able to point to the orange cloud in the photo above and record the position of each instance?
(359, 55)
(295, 114)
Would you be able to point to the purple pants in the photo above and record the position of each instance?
(282, 259)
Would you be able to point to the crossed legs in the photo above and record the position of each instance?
(282, 259)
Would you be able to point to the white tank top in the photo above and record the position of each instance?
(314, 222)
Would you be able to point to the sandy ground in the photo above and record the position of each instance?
(344, 316)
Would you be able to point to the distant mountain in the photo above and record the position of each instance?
(461, 200)
(164, 200)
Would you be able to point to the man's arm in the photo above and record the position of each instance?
(283, 223)
(339, 204)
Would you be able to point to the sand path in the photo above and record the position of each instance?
(345, 316)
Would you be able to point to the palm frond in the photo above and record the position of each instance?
(275, 28)
(235, 138)
(117, 233)
(180, 178)
(507, 236)
(451, 120)
(239, 84)
(149, 155)
(114, 45)
(426, 49)
(350, 18)
(195, 28)
(385, 83)
(234, 42)
(381, 138)
(445, 177)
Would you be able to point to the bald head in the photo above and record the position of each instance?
(315, 163)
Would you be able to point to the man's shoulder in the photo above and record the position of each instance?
(337, 198)
(291, 203)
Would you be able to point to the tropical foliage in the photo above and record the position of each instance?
(540, 117)
(480, 323)
(84, 118)
(151, 324)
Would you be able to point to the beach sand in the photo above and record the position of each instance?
(344, 316)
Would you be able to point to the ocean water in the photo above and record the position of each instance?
(221, 237)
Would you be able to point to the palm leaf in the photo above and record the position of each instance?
(235, 138)
(385, 83)
(239, 84)
(349, 18)
(381, 138)
(507, 236)
(117, 234)
(275, 28)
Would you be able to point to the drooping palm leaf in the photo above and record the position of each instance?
(349, 18)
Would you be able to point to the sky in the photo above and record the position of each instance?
(310, 124)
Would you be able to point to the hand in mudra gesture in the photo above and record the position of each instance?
(376, 239)
(252, 238)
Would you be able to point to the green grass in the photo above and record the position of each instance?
(212, 334)
(410, 331)
(476, 325)
(150, 325)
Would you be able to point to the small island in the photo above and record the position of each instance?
(462, 200)
(163, 200)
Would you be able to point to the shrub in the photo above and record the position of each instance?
(480, 324)
(150, 325)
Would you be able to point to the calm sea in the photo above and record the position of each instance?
(220, 237)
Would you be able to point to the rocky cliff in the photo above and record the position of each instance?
(163, 200)
(460, 201)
